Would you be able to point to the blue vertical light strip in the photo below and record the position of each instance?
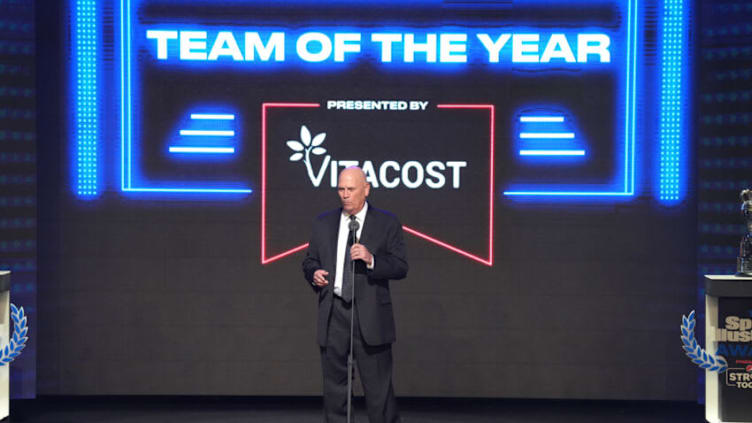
(631, 97)
(86, 112)
(125, 98)
(130, 101)
(122, 97)
(672, 88)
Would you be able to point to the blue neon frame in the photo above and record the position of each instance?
(627, 189)
(126, 124)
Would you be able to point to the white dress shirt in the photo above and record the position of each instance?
(344, 232)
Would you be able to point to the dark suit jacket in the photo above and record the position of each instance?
(382, 235)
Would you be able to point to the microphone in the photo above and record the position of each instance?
(353, 226)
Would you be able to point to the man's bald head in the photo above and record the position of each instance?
(353, 189)
(354, 172)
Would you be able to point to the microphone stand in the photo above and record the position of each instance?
(352, 324)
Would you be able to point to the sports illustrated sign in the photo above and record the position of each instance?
(734, 338)
(732, 359)
(735, 342)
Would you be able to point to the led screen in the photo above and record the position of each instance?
(544, 205)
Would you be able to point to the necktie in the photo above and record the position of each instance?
(347, 271)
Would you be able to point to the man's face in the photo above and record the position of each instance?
(353, 190)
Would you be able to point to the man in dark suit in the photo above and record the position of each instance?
(379, 255)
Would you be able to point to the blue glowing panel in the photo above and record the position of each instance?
(673, 81)
(86, 45)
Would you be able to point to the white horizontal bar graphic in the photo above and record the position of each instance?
(552, 152)
(210, 116)
(189, 190)
(542, 119)
(220, 150)
(199, 132)
(544, 135)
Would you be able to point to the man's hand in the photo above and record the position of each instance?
(319, 278)
(360, 252)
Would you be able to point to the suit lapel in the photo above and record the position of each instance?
(368, 227)
(333, 238)
(334, 233)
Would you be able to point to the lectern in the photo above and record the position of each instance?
(4, 339)
(728, 332)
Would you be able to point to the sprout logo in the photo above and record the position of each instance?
(411, 174)
(303, 149)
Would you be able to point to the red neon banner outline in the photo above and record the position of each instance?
(492, 136)
(286, 253)
(449, 247)
(264, 106)
(487, 261)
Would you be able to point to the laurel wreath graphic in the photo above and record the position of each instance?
(18, 341)
(699, 356)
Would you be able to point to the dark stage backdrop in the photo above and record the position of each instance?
(18, 181)
(724, 81)
(545, 192)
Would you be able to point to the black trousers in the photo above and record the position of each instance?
(374, 363)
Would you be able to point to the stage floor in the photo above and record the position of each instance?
(308, 410)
